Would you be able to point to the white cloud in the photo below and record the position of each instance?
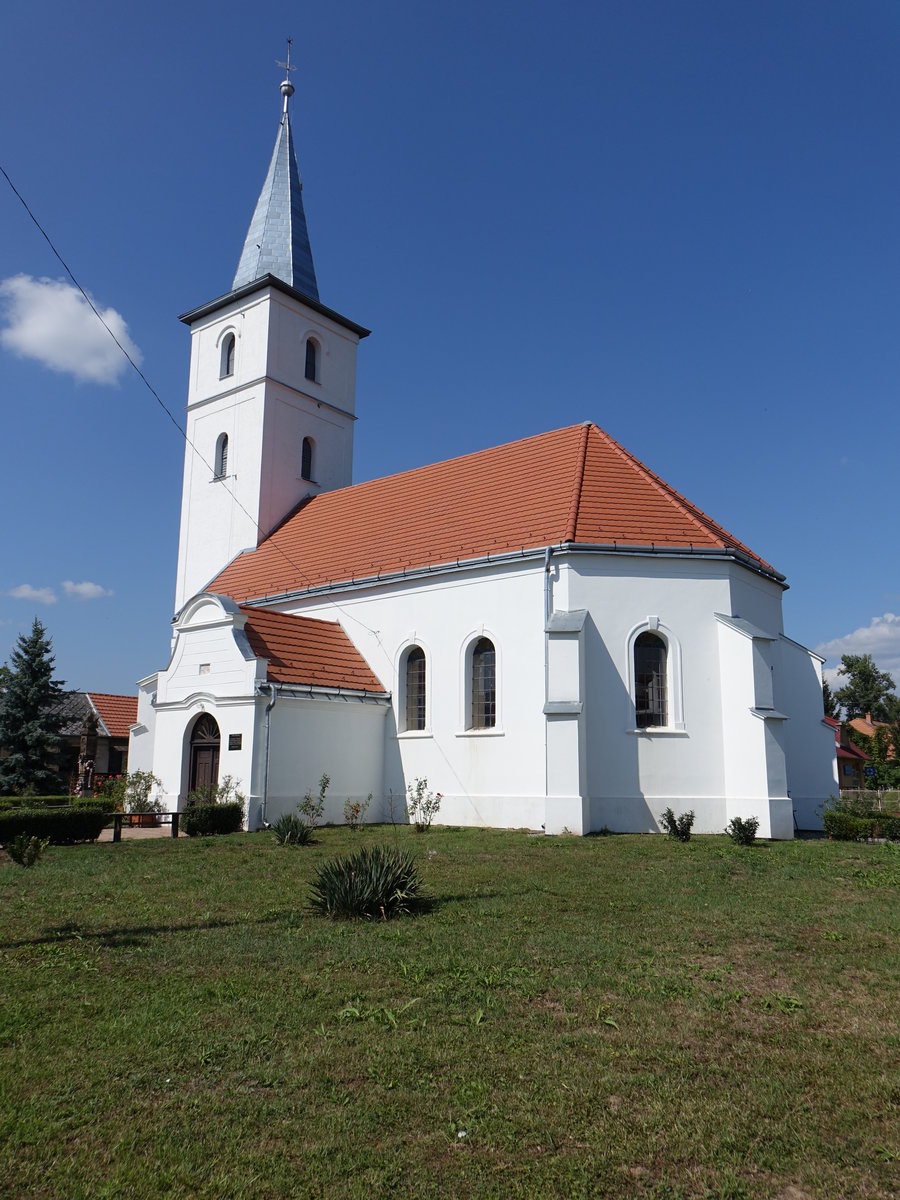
(84, 591)
(880, 638)
(24, 591)
(50, 321)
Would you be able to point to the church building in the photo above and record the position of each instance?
(546, 631)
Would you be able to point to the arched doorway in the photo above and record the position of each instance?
(205, 740)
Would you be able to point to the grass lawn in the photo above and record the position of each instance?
(620, 1016)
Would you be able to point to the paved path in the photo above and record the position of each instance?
(134, 833)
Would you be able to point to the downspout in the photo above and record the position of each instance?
(274, 696)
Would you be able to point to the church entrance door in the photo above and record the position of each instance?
(205, 741)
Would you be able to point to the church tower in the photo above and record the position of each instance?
(272, 390)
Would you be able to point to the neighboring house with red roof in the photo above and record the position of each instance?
(545, 630)
(105, 720)
(851, 760)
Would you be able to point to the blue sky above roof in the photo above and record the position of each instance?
(676, 220)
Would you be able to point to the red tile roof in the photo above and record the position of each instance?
(574, 485)
(116, 712)
(850, 750)
(309, 651)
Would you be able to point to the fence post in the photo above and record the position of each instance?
(117, 827)
(174, 824)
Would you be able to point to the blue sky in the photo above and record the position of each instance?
(676, 219)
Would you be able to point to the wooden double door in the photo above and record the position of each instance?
(205, 744)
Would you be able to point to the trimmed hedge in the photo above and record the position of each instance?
(200, 820)
(845, 827)
(8, 802)
(59, 825)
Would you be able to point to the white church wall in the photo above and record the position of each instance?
(812, 770)
(341, 737)
(290, 324)
(633, 775)
(487, 777)
(214, 527)
(142, 734)
(290, 418)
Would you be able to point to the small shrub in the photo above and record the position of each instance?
(59, 825)
(678, 827)
(377, 881)
(312, 807)
(291, 830)
(422, 806)
(138, 792)
(355, 812)
(742, 833)
(202, 820)
(226, 792)
(26, 851)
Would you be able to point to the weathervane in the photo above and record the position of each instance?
(287, 88)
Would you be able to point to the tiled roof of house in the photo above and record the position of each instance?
(574, 485)
(845, 748)
(308, 651)
(117, 713)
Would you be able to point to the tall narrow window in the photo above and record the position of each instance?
(222, 456)
(306, 459)
(312, 353)
(227, 363)
(415, 688)
(484, 685)
(650, 699)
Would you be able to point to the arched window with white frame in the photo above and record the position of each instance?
(226, 362)
(483, 712)
(311, 370)
(221, 466)
(655, 678)
(415, 714)
(651, 708)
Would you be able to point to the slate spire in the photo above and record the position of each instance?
(277, 241)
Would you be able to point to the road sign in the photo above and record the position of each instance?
(870, 771)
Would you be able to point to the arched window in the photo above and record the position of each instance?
(226, 366)
(415, 688)
(312, 360)
(484, 685)
(306, 459)
(650, 689)
(222, 456)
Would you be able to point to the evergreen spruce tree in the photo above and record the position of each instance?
(29, 724)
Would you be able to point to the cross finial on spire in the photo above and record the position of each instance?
(287, 88)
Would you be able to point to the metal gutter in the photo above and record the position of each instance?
(507, 556)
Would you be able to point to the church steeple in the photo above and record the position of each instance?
(277, 241)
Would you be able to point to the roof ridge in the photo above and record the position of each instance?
(441, 462)
(575, 503)
(703, 522)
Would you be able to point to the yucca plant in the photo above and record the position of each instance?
(375, 882)
(25, 850)
(291, 830)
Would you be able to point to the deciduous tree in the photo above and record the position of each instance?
(867, 689)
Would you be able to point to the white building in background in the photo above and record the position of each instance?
(545, 630)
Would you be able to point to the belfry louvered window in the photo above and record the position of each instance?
(415, 688)
(222, 456)
(650, 685)
(484, 685)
